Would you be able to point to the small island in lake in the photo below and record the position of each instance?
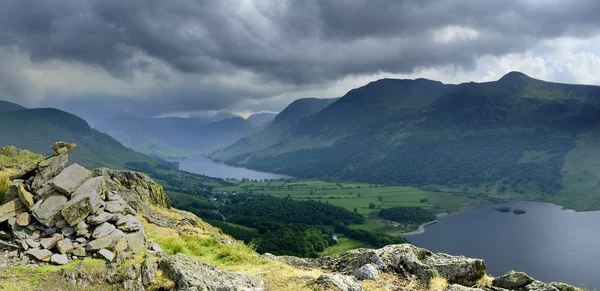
(519, 211)
(503, 209)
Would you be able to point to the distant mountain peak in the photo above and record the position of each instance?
(515, 75)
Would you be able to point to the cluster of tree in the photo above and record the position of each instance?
(291, 211)
(401, 214)
(242, 233)
(296, 240)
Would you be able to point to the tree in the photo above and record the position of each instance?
(380, 198)
(372, 206)
(355, 210)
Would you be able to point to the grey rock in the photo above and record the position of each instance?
(539, 286)
(49, 231)
(11, 208)
(81, 228)
(190, 274)
(129, 223)
(81, 240)
(100, 218)
(33, 244)
(40, 255)
(79, 252)
(46, 191)
(512, 280)
(50, 242)
(64, 246)
(61, 223)
(106, 254)
(115, 207)
(12, 192)
(367, 272)
(84, 201)
(341, 282)
(68, 231)
(48, 169)
(149, 268)
(48, 211)
(456, 287)
(136, 241)
(57, 259)
(105, 242)
(103, 230)
(71, 178)
(61, 147)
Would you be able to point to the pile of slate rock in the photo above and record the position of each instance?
(57, 213)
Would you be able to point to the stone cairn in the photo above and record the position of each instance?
(56, 214)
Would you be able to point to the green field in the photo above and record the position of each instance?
(358, 197)
(344, 244)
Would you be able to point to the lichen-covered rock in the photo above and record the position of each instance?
(539, 286)
(71, 178)
(148, 271)
(129, 223)
(87, 199)
(64, 246)
(48, 169)
(456, 287)
(339, 282)
(190, 274)
(48, 211)
(137, 189)
(367, 272)
(513, 280)
(136, 241)
(61, 147)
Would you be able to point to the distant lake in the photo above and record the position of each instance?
(209, 168)
(548, 243)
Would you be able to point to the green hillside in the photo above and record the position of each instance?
(515, 138)
(35, 129)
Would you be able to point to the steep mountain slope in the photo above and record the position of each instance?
(34, 129)
(502, 139)
(259, 119)
(274, 132)
(175, 137)
(9, 106)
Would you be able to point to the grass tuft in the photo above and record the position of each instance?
(484, 282)
(437, 283)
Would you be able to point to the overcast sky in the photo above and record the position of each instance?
(189, 57)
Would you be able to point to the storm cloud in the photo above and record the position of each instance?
(257, 55)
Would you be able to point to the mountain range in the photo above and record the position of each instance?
(517, 137)
(175, 136)
(34, 129)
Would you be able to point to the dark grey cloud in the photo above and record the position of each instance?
(293, 41)
(290, 43)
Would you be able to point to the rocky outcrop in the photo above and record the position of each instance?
(60, 214)
(190, 274)
(415, 265)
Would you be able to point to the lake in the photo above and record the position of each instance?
(548, 243)
(210, 168)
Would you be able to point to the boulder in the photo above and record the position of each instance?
(59, 259)
(100, 218)
(367, 272)
(103, 230)
(79, 252)
(84, 201)
(129, 223)
(23, 219)
(137, 189)
(48, 169)
(50, 242)
(512, 280)
(40, 255)
(25, 197)
(106, 254)
(339, 282)
(64, 246)
(105, 242)
(135, 241)
(61, 147)
(149, 268)
(71, 178)
(48, 211)
(190, 274)
(10, 209)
